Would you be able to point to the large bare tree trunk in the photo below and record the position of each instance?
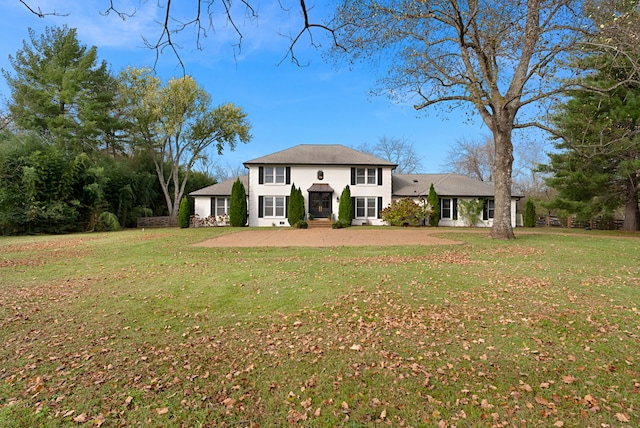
(502, 228)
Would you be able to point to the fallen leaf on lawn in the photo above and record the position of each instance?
(317, 412)
(485, 404)
(128, 400)
(558, 424)
(356, 347)
(568, 379)
(162, 411)
(622, 417)
(82, 418)
(383, 414)
(345, 407)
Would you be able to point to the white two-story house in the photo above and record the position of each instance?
(323, 171)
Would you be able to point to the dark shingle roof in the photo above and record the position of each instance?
(320, 154)
(413, 185)
(223, 188)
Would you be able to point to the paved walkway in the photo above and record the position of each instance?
(349, 237)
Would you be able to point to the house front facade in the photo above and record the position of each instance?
(323, 171)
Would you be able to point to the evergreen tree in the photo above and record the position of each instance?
(295, 212)
(596, 168)
(184, 213)
(434, 204)
(59, 89)
(345, 208)
(238, 205)
(529, 214)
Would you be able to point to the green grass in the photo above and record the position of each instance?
(140, 328)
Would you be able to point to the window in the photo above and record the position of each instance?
(488, 209)
(366, 176)
(449, 208)
(366, 208)
(445, 208)
(371, 176)
(273, 206)
(222, 205)
(274, 175)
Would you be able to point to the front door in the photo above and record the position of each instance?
(320, 204)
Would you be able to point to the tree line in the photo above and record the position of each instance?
(80, 141)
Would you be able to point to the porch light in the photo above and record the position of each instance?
(338, 199)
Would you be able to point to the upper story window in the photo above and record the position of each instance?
(366, 176)
(274, 175)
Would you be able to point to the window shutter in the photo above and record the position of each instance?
(212, 208)
(379, 206)
(286, 207)
(353, 176)
(379, 176)
(485, 210)
(288, 175)
(260, 206)
(454, 208)
(353, 207)
(261, 175)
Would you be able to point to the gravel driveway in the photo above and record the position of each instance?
(350, 237)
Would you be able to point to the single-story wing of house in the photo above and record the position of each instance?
(323, 171)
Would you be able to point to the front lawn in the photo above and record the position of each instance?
(142, 329)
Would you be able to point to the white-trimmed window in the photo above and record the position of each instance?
(366, 176)
(366, 208)
(274, 175)
(449, 208)
(220, 206)
(445, 208)
(488, 209)
(273, 206)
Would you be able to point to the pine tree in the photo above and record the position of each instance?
(238, 205)
(529, 214)
(183, 213)
(296, 206)
(434, 203)
(345, 209)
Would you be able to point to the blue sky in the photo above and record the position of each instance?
(286, 104)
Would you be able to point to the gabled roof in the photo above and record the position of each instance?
(414, 185)
(320, 154)
(223, 188)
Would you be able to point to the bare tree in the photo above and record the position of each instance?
(400, 151)
(496, 57)
(473, 158)
(198, 18)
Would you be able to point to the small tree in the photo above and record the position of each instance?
(529, 214)
(296, 206)
(238, 205)
(183, 213)
(470, 210)
(434, 203)
(345, 209)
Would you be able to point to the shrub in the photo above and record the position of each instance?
(403, 212)
(345, 209)
(470, 211)
(107, 222)
(301, 224)
(295, 212)
(529, 214)
(238, 205)
(434, 205)
(340, 224)
(184, 213)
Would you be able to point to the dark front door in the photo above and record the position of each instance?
(320, 204)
